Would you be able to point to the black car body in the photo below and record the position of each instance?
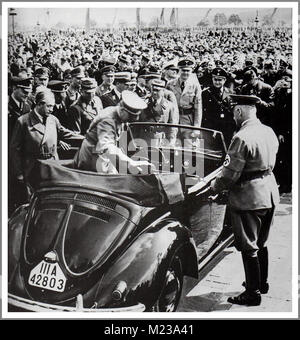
(92, 242)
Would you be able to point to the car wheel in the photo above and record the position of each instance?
(171, 291)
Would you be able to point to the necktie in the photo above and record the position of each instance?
(20, 106)
(44, 120)
(182, 86)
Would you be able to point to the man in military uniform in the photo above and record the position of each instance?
(85, 109)
(256, 87)
(141, 90)
(108, 77)
(283, 69)
(217, 113)
(17, 101)
(170, 71)
(73, 92)
(99, 151)
(253, 194)
(59, 89)
(160, 110)
(187, 91)
(40, 82)
(113, 97)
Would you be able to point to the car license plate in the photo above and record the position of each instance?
(48, 276)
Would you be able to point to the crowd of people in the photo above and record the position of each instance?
(184, 76)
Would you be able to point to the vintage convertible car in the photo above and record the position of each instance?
(95, 243)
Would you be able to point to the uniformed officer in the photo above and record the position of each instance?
(256, 87)
(35, 137)
(73, 92)
(40, 82)
(17, 101)
(253, 194)
(217, 112)
(99, 151)
(85, 109)
(59, 89)
(283, 69)
(108, 77)
(170, 71)
(160, 110)
(187, 91)
(113, 97)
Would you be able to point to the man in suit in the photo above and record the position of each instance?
(35, 137)
(108, 77)
(253, 194)
(187, 91)
(217, 112)
(113, 97)
(85, 109)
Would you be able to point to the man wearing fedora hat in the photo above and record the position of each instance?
(253, 194)
(99, 151)
(86, 108)
(112, 98)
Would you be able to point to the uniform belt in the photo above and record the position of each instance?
(183, 111)
(248, 176)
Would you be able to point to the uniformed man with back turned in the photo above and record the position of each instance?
(253, 194)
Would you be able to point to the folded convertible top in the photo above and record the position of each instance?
(147, 190)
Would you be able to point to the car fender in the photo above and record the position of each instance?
(143, 265)
(15, 229)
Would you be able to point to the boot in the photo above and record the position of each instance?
(251, 296)
(263, 259)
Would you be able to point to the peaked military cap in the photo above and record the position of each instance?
(41, 72)
(123, 76)
(24, 82)
(171, 65)
(58, 85)
(158, 83)
(77, 72)
(132, 102)
(186, 62)
(243, 99)
(110, 69)
(125, 59)
(219, 72)
(88, 84)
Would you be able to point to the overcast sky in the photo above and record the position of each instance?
(103, 16)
